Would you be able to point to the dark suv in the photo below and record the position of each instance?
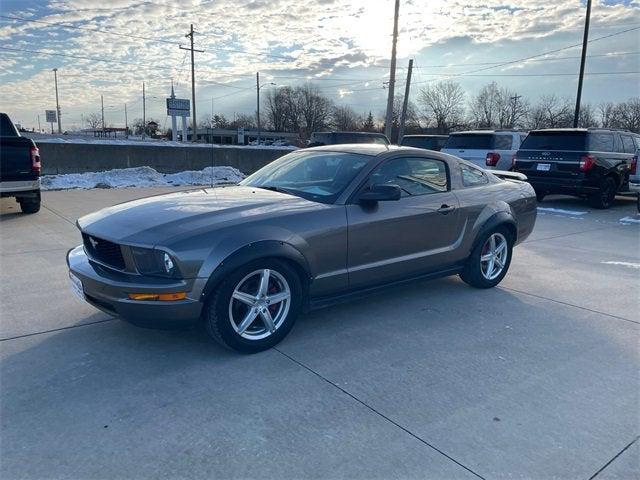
(336, 138)
(594, 163)
(428, 142)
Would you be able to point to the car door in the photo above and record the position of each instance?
(391, 240)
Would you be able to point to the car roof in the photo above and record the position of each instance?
(426, 136)
(361, 148)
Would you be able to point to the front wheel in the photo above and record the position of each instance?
(255, 307)
(489, 260)
(30, 205)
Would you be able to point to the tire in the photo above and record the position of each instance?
(540, 195)
(605, 197)
(224, 313)
(476, 271)
(30, 205)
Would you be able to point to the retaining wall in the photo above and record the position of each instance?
(79, 157)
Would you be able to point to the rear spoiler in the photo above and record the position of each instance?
(503, 174)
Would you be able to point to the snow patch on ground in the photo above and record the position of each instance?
(561, 211)
(624, 264)
(140, 177)
(629, 220)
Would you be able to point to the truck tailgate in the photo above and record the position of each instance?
(15, 153)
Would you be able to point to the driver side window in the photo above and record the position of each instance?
(414, 176)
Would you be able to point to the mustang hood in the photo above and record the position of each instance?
(154, 220)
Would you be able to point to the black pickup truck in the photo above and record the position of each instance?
(19, 167)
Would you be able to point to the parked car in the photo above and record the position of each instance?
(491, 149)
(339, 138)
(19, 167)
(312, 227)
(594, 163)
(428, 142)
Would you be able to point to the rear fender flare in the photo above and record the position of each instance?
(501, 218)
(254, 251)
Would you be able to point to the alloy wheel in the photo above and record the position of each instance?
(493, 257)
(259, 304)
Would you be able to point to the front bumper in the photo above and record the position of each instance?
(108, 291)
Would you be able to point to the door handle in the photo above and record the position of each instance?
(444, 209)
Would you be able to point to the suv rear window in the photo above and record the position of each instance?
(502, 142)
(6, 127)
(429, 143)
(575, 141)
(470, 141)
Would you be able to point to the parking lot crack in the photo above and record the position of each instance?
(377, 412)
(613, 459)
(57, 329)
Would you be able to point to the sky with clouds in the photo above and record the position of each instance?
(109, 47)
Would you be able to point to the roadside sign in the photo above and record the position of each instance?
(51, 116)
(178, 107)
(240, 135)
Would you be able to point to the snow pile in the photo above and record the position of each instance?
(561, 211)
(141, 177)
(154, 143)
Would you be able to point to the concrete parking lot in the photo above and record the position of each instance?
(535, 379)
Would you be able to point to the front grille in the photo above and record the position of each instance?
(104, 251)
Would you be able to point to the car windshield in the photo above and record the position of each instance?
(317, 176)
(470, 141)
(572, 141)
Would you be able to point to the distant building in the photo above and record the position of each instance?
(230, 137)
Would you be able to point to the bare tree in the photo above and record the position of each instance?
(443, 104)
(315, 109)
(495, 107)
(607, 111)
(628, 115)
(93, 121)
(345, 118)
(368, 124)
(587, 117)
(551, 112)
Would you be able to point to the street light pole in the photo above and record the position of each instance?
(258, 103)
(392, 73)
(585, 41)
(55, 78)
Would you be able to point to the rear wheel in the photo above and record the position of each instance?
(490, 259)
(30, 205)
(255, 307)
(605, 196)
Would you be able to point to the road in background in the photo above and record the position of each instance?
(536, 378)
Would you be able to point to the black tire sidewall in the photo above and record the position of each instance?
(217, 311)
(598, 200)
(472, 273)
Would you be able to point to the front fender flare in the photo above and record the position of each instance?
(255, 251)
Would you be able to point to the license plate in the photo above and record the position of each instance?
(76, 286)
(544, 167)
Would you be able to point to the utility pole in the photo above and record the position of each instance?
(193, 82)
(405, 104)
(102, 103)
(514, 109)
(585, 40)
(39, 129)
(258, 103)
(55, 78)
(144, 112)
(392, 73)
(126, 123)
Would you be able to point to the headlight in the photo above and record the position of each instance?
(150, 261)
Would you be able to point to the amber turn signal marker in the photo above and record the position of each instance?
(163, 297)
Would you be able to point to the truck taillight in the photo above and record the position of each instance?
(634, 165)
(35, 160)
(587, 162)
(492, 159)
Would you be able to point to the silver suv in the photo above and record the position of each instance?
(491, 149)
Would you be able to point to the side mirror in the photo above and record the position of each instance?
(380, 193)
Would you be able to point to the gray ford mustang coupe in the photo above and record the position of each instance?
(312, 227)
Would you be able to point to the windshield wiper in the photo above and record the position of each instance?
(275, 188)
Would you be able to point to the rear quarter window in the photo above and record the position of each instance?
(627, 143)
(472, 177)
(503, 142)
(601, 142)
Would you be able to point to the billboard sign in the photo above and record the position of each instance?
(51, 116)
(178, 107)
